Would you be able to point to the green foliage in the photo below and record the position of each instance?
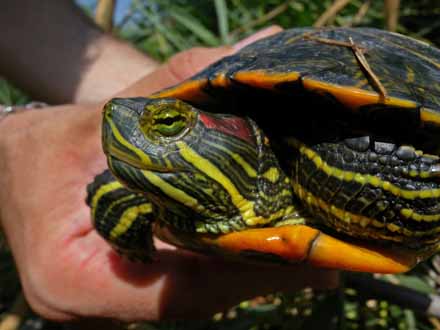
(164, 27)
(10, 95)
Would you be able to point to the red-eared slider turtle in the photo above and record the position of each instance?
(310, 145)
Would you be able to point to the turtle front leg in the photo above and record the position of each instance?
(122, 217)
(370, 189)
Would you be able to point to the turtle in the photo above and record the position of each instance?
(311, 145)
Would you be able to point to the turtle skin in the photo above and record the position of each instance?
(345, 123)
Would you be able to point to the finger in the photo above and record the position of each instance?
(271, 30)
(187, 63)
(13, 109)
(221, 285)
(178, 68)
(183, 65)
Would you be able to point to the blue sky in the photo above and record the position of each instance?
(121, 7)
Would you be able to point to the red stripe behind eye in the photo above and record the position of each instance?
(234, 126)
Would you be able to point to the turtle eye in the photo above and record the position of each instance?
(165, 119)
(169, 123)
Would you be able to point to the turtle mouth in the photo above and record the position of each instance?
(136, 164)
(118, 151)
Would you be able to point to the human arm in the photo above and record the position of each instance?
(54, 52)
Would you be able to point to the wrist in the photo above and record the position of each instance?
(71, 59)
(114, 65)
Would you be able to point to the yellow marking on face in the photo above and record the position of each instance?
(173, 192)
(216, 174)
(168, 162)
(143, 157)
(361, 178)
(245, 207)
(127, 218)
(250, 171)
(104, 189)
(178, 194)
(272, 174)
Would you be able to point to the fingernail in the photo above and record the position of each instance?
(257, 36)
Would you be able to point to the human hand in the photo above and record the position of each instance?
(47, 157)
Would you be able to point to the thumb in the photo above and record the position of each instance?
(187, 63)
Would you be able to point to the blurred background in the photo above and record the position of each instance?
(162, 28)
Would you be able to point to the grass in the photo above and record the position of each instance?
(162, 28)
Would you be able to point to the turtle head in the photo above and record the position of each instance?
(145, 133)
(204, 172)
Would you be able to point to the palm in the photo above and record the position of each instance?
(60, 155)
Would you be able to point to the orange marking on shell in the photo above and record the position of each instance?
(262, 79)
(353, 97)
(191, 90)
(220, 80)
(430, 116)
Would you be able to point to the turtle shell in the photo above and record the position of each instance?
(380, 75)
(396, 72)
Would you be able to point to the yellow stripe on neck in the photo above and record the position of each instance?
(250, 171)
(245, 206)
(205, 166)
(173, 192)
